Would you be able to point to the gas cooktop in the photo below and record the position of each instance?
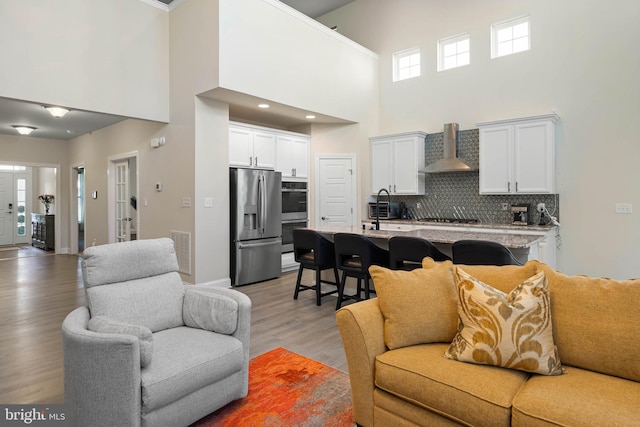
(451, 220)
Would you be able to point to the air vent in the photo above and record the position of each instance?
(182, 245)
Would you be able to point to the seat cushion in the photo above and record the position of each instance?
(579, 398)
(185, 360)
(473, 394)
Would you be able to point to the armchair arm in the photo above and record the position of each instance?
(361, 327)
(243, 329)
(101, 374)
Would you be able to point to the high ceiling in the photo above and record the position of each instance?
(78, 122)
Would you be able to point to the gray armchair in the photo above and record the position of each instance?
(150, 351)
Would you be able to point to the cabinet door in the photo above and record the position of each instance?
(264, 150)
(534, 158)
(381, 165)
(240, 147)
(300, 158)
(496, 160)
(284, 161)
(405, 172)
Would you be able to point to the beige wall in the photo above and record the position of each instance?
(95, 151)
(48, 153)
(100, 56)
(584, 63)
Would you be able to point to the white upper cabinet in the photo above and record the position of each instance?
(396, 162)
(518, 156)
(250, 146)
(292, 156)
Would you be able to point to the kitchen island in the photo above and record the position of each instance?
(524, 245)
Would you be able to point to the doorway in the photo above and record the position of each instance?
(335, 190)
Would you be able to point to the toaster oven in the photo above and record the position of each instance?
(386, 210)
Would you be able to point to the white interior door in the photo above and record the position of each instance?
(123, 221)
(7, 205)
(335, 190)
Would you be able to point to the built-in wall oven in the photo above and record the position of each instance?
(294, 211)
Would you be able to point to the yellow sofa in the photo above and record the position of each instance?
(400, 377)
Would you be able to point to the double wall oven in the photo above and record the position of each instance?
(295, 197)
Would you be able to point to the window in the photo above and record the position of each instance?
(510, 36)
(406, 64)
(453, 52)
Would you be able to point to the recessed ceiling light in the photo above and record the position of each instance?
(263, 105)
(57, 112)
(310, 116)
(24, 130)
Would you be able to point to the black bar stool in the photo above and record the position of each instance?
(482, 252)
(354, 255)
(406, 253)
(315, 252)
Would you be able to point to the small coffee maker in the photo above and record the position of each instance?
(521, 214)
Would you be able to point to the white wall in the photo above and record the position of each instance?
(273, 52)
(109, 57)
(584, 62)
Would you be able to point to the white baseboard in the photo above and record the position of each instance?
(220, 283)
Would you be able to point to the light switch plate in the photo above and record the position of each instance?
(208, 202)
(624, 208)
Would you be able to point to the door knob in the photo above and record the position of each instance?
(323, 218)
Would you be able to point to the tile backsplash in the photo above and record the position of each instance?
(455, 194)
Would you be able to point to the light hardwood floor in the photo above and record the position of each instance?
(37, 292)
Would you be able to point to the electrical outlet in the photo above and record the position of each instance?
(624, 208)
(418, 205)
(505, 206)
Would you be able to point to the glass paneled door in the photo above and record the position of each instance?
(123, 221)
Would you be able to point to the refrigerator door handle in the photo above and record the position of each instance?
(263, 213)
(261, 204)
(256, 245)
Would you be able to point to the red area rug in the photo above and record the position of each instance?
(287, 389)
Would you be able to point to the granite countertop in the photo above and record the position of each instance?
(465, 225)
(445, 236)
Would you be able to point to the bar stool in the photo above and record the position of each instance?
(315, 252)
(482, 252)
(406, 253)
(354, 255)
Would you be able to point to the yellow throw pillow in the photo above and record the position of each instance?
(511, 330)
(419, 306)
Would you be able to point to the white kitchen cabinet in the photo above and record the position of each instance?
(292, 156)
(396, 162)
(518, 156)
(251, 146)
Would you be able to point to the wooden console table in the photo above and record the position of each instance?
(43, 231)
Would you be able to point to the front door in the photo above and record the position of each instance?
(7, 205)
(335, 190)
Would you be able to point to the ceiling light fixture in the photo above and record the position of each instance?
(310, 116)
(263, 105)
(57, 112)
(24, 130)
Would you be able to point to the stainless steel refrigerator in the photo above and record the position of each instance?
(256, 225)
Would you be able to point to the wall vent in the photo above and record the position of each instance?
(182, 244)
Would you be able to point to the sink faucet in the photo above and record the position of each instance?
(378, 205)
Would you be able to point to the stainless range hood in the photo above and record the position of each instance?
(450, 162)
